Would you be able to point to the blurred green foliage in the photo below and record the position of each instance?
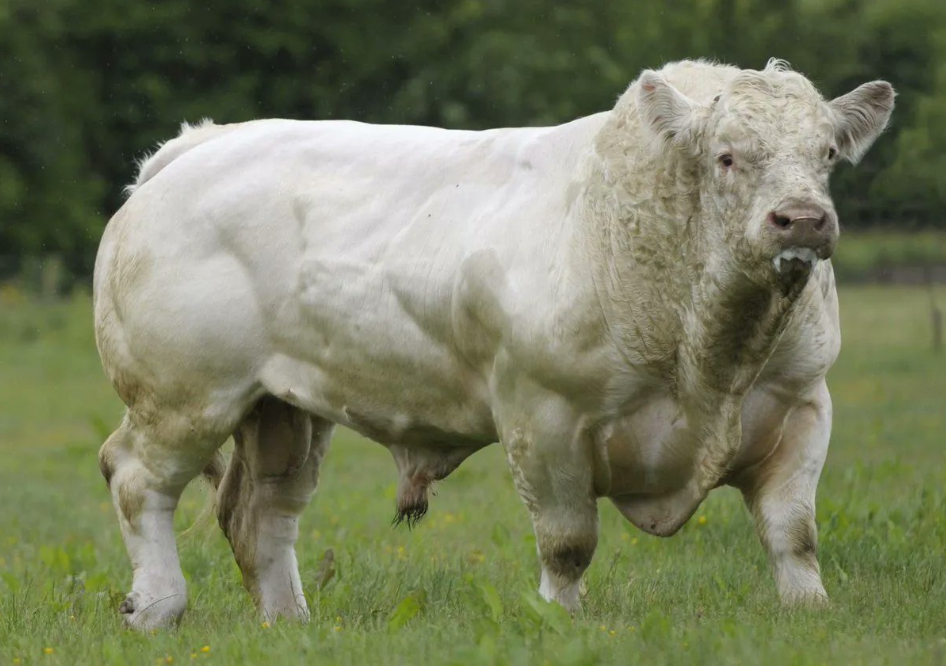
(88, 85)
(866, 256)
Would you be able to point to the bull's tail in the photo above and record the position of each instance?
(189, 137)
(214, 471)
(213, 474)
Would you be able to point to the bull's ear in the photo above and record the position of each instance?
(666, 111)
(860, 117)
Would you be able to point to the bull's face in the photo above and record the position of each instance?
(765, 148)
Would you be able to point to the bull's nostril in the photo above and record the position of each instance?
(780, 221)
(819, 225)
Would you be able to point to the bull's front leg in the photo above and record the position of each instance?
(552, 463)
(780, 493)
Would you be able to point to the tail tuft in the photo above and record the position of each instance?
(215, 470)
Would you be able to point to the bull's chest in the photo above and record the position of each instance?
(652, 475)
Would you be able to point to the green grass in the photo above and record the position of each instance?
(460, 587)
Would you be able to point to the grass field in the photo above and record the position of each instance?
(460, 588)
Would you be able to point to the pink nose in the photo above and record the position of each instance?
(805, 225)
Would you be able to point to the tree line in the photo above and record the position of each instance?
(86, 86)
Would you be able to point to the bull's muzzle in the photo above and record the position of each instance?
(805, 232)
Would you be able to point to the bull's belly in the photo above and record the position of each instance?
(653, 484)
(436, 407)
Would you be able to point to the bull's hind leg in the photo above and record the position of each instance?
(269, 481)
(147, 463)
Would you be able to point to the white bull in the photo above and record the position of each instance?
(634, 304)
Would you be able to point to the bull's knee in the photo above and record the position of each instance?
(802, 535)
(567, 555)
(569, 561)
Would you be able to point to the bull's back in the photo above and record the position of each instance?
(329, 216)
(359, 188)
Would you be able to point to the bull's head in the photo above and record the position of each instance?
(765, 147)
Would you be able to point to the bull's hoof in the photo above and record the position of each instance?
(806, 598)
(565, 593)
(128, 606)
(145, 611)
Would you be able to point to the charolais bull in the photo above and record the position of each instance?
(638, 305)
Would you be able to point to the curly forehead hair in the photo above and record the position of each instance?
(777, 80)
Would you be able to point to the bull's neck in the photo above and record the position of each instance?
(671, 286)
(677, 304)
(733, 327)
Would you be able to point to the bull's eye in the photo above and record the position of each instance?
(726, 160)
(832, 153)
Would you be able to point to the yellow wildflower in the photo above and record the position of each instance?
(702, 520)
(265, 625)
(48, 650)
(205, 649)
